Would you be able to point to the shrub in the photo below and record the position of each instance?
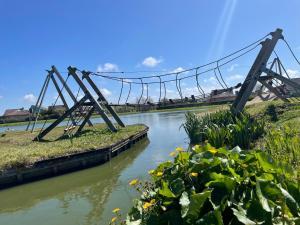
(192, 127)
(283, 144)
(224, 129)
(217, 186)
(272, 113)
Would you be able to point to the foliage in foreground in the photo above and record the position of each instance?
(283, 144)
(217, 186)
(223, 128)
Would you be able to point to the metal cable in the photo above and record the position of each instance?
(120, 92)
(289, 47)
(190, 69)
(220, 74)
(159, 88)
(142, 91)
(198, 85)
(218, 79)
(128, 93)
(178, 88)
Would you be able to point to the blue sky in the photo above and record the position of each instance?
(132, 35)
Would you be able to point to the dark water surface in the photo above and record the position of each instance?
(87, 197)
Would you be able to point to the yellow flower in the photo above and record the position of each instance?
(113, 219)
(151, 171)
(213, 150)
(194, 174)
(147, 205)
(179, 149)
(173, 154)
(133, 182)
(159, 174)
(116, 210)
(152, 201)
(196, 147)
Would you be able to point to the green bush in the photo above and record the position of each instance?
(283, 144)
(272, 113)
(224, 129)
(216, 186)
(192, 127)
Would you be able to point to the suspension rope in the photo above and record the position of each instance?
(159, 88)
(128, 93)
(256, 43)
(198, 85)
(147, 93)
(292, 52)
(178, 87)
(121, 92)
(218, 79)
(220, 74)
(165, 96)
(184, 71)
(142, 91)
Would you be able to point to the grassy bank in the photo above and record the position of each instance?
(18, 150)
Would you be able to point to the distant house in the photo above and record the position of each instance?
(217, 96)
(34, 109)
(15, 115)
(57, 108)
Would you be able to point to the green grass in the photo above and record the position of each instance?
(18, 150)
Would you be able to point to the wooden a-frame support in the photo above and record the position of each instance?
(98, 104)
(51, 76)
(255, 74)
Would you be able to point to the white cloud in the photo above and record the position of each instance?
(30, 98)
(212, 79)
(105, 92)
(108, 67)
(151, 61)
(177, 70)
(293, 73)
(232, 67)
(235, 77)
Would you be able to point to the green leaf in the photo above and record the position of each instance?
(182, 157)
(211, 218)
(263, 201)
(177, 186)
(266, 162)
(257, 213)
(196, 203)
(165, 190)
(242, 217)
(184, 202)
(291, 202)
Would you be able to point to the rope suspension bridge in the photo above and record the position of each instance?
(270, 73)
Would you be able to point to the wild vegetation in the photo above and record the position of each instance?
(18, 150)
(206, 185)
(223, 128)
(218, 183)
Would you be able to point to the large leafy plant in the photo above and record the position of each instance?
(216, 186)
(223, 128)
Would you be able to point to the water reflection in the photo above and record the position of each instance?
(87, 197)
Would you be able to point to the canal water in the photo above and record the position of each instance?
(88, 197)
